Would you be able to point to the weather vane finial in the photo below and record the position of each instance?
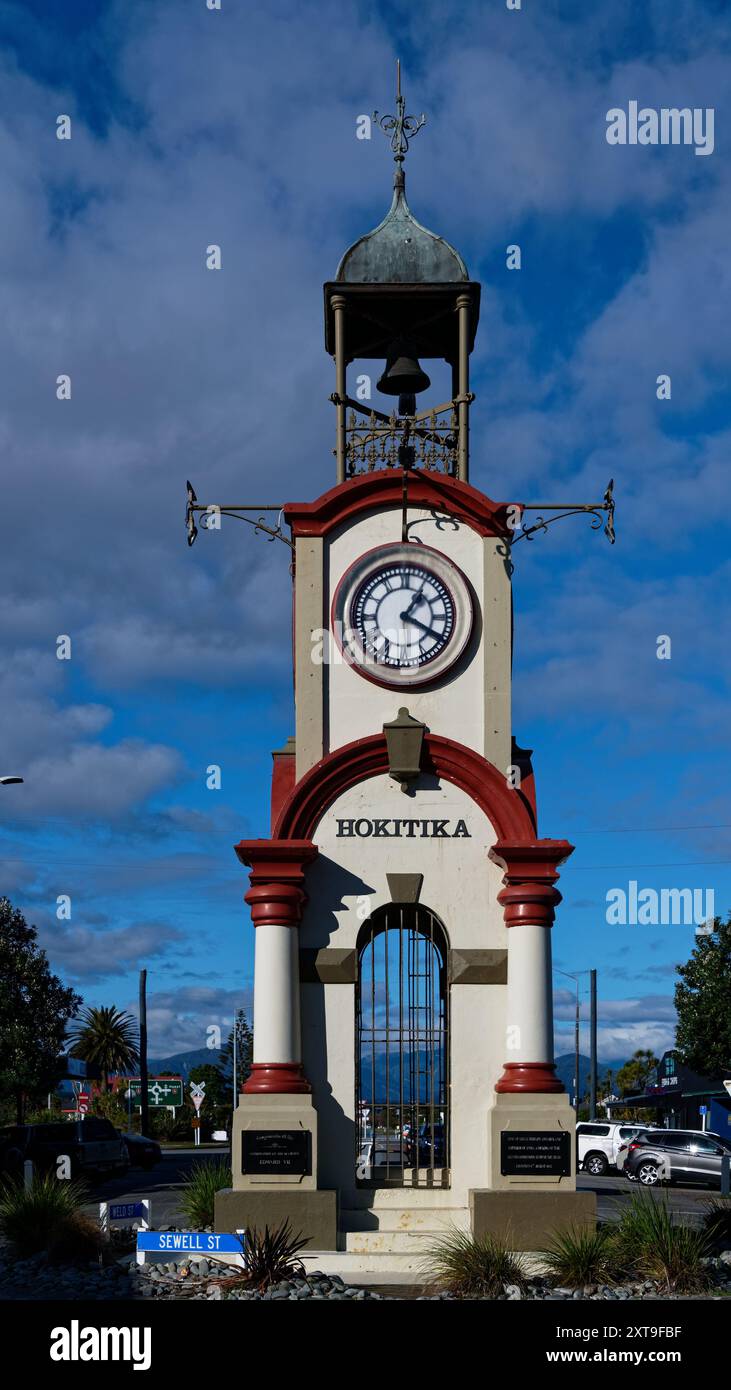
(399, 128)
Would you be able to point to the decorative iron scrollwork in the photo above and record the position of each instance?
(601, 515)
(211, 512)
(429, 440)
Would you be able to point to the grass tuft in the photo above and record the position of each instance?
(46, 1217)
(649, 1243)
(197, 1200)
(473, 1267)
(578, 1255)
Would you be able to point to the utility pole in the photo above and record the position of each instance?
(144, 1116)
(236, 1030)
(576, 1051)
(592, 1044)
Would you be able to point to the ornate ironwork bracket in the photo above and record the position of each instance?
(597, 511)
(210, 513)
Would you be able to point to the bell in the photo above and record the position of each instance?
(403, 375)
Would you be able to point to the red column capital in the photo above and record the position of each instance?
(277, 877)
(529, 894)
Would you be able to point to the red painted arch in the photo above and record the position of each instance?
(382, 489)
(506, 807)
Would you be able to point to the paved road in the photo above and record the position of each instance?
(613, 1193)
(163, 1184)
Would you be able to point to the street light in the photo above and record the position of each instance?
(574, 975)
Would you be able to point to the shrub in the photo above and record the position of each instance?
(577, 1256)
(472, 1266)
(272, 1256)
(649, 1243)
(205, 1179)
(109, 1104)
(717, 1220)
(162, 1124)
(44, 1116)
(47, 1217)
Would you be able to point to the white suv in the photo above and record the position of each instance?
(597, 1144)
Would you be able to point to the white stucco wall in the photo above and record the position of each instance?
(346, 884)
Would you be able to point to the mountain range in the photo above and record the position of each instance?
(182, 1064)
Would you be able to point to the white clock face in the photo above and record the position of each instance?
(405, 613)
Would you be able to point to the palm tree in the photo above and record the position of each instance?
(106, 1038)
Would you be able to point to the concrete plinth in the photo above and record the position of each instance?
(537, 1114)
(310, 1213)
(528, 1220)
(269, 1114)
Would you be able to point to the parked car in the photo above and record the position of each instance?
(93, 1146)
(141, 1151)
(625, 1148)
(432, 1145)
(676, 1155)
(598, 1144)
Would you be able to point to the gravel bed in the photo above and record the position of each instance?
(202, 1280)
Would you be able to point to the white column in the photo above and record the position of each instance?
(529, 1018)
(276, 995)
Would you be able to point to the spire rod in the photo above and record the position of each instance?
(400, 128)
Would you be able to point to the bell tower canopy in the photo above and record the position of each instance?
(400, 293)
(400, 251)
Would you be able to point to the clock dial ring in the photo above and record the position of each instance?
(403, 614)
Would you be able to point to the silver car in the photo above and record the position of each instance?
(676, 1155)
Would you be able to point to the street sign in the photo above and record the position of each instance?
(161, 1091)
(703, 1109)
(126, 1211)
(209, 1244)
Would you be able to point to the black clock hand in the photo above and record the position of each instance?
(406, 617)
(418, 598)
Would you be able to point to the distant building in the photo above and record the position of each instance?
(674, 1097)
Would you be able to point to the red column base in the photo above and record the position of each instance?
(276, 1079)
(521, 1078)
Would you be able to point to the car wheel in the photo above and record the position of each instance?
(648, 1174)
(596, 1164)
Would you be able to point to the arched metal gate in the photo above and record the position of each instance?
(402, 1050)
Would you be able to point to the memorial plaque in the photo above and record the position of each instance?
(276, 1151)
(534, 1153)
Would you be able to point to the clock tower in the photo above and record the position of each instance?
(403, 1076)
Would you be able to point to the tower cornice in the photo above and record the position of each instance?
(383, 489)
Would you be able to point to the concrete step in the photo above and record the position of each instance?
(382, 1267)
(415, 1219)
(389, 1242)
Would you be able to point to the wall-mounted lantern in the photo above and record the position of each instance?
(404, 741)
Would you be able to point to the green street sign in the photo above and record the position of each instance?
(161, 1091)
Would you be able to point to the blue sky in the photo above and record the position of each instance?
(238, 127)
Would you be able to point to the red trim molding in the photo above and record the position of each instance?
(530, 894)
(506, 807)
(382, 489)
(278, 868)
(520, 1078)
(276, 1079)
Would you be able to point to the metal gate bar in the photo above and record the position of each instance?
(402, 1045)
